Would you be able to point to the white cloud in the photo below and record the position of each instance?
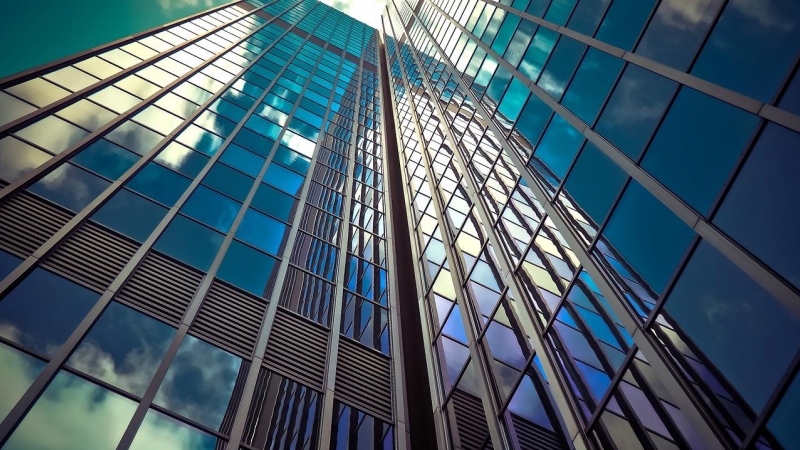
(367, 11)
(168, 5)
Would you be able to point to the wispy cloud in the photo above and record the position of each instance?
(367, 11)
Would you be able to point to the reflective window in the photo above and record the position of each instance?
(676, 31)
(199, 383)
(243, 160)
(72, 414)
(200, 140)
(536, 56)
(726, 314)
(254, 142)
(190, 242)
(292, 160)
(247, 268)
(783, 423)
(11, 108)
(228, 181)
(261, 231)
(123, 348)
(18, 158)
(587, 16)
(560, 66)
(38, 91)
(697, 146)
(283, 179)
(18, 370)
(211, 208)
(182, 159)
(87, 115)
(594, 182)
(43, 310)
(135, 137)
(161, 431)
(635, 109)
(624, 21)
(559, 146)
(273, 202)
(70, 187)
(8, 263)
(53, 134)
(791, 98)
(592, 82)
(159, 183)
(106, 159)
(355, 429)
(766, 38)
(759, 210)
(647, 235)
(130, 214)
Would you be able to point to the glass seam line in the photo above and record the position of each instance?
(732, 251)
(488, 399)
(642, 340)
(27, 265)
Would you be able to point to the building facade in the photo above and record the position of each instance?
(528, 224)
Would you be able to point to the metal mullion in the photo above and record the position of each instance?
(83, 93)
(489, 400)
(726, 95)
(755, 269)
(63, 62)
(243, 409)
(100, 132)
(761, 422)
(685, 399)
(422, 302)
(326, 420)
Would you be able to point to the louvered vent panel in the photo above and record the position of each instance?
(26, 222)
(230, 319)
(92, 256)
(470, 419)
(3, 184)
(297, 349)
(534, 437)
(363, 379)
(161, 287)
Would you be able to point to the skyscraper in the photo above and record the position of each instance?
(538, 224)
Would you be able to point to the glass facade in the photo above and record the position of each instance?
(571, 228)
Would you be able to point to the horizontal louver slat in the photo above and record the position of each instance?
(27, 222)
(297, 349)
(363, 379)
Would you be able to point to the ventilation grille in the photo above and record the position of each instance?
(3, 184)
(470, 419)
(297, 349)
(534, 437)
(92, 256)
(230, 319)
(27, 222)
(363, 379)
(161, 287)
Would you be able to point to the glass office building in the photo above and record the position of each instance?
(524, 224)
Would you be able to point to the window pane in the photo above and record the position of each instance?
(87, 115)
(18, 370)
(292, 160)
(592, 83)
(624, 21)
(243, 160)
(697, 146)
(199, 382)
(559, 145)
(758, 211)
(18, 158)
(190, 242)
(595, 182)
(283, 179)
(53, 134)
(247, 268)
(727, 315)
(70, 187)
(261, 231)
(560, 67)
(43, 310)
(124, 348)
(274, 202)
(648, 236)
(211, 208)
(783, 423)
(73, 413)
(130, 215)
(161, 431)
(12, 108)
(182, 159)
(229, 181)
(106, 159)
(159, 183)
(200, 140)
(135, 137)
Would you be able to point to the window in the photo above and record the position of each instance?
(182, 159)
(228, 181)
(247, 268)
(130, 214)
(624, 21)
(160, 430)
(190, 242)
(591, 85)
(284, 179)
(18, 370)
(52, 134)
(261, 231)
(211, 208)
(18, 158)
(595, 182)
(106, 159)
(159, 183)
(274, 202)
(70, 187)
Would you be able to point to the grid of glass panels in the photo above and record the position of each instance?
(210, 142)
(626, 153)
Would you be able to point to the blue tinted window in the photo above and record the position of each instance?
(254, 142)
(43, 310)
(634, 109)
(540, 48)
(587, 16)
(18, 370)
(182, 159)
(766, 44)
(228, 110)
(791, 98)
(624, 21)
(190, 242)
(167, 431)
(199, 382)
(8, 263)
(559, 11)
(647, 236)
(560, 67)
(727, 315)
(513, 100)
(211, 208)
(215, 123)
(261, 231)
(159, 183)
(70, 187)
(591, 85)
(273, 202)
(783, 423)
(559, 146)
(263, 127)
(241, 159)
(519, 42)
(533, 119)
(200, 140)
(128, 343)
(697, 146)
(247, 268)
(595, 182)
(229, 181)
(106, 159)
(292, 160)
(283, 179)
(759, 210)
(134, 137)
(676, 31)
(130, 214)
